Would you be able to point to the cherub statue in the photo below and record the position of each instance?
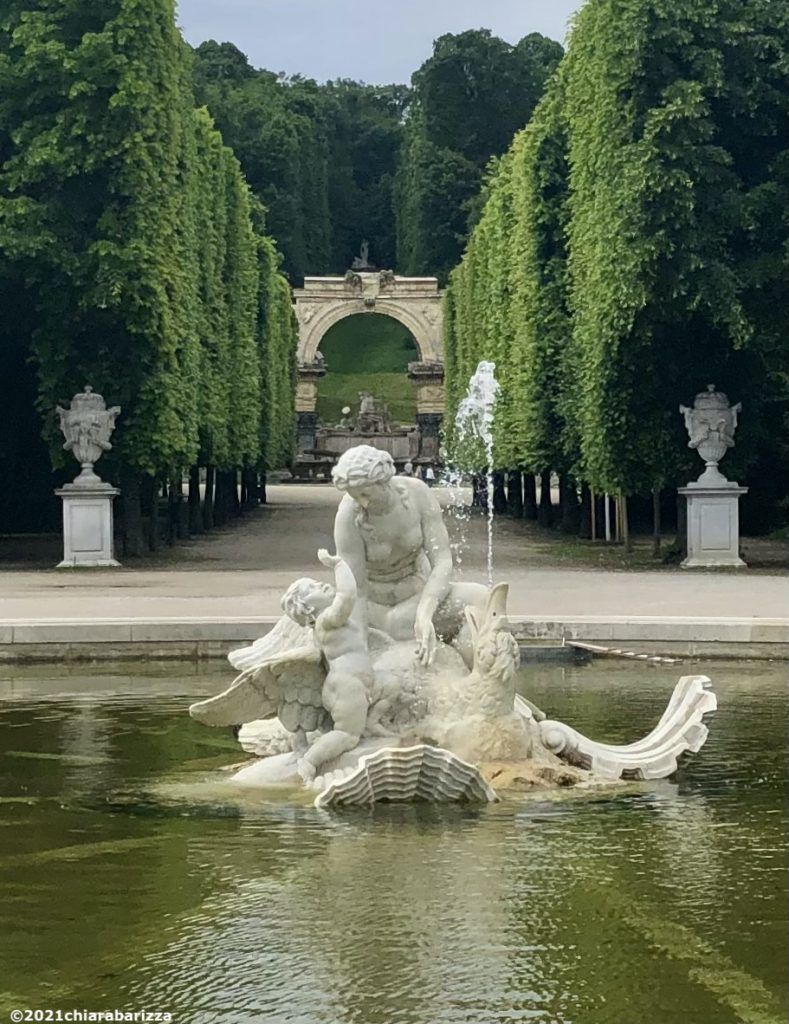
(341, 636)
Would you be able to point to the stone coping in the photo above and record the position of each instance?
(621, 629)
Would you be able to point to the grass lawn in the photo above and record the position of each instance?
(367, 352)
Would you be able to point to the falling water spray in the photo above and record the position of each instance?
(474, 423)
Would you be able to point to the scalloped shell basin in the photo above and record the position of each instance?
(420, 772)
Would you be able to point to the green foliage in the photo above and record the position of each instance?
(433, 195)
(379, 343)
(338, 390)
(469, 98)
(277, 334)
(321, 159)
(633, 245)
(384, 347)
(127, 224)
(476, 90)
(661, 239)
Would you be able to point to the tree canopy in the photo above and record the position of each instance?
(320, 158)
(127, 224)
(633, 245)
(340, 162)
(469, 98)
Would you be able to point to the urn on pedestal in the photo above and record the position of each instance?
(713, 501)
(87, 502)
(711, 423)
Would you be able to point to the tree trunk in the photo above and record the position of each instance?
(220, 498)
(545, 512)
(529, 496)
(499, 494)
(195, 516)
(681, 543)
(656, 527)
(232, 493)
(174, 499)
(585, 523)
(515, 493)
(208, 498)
(624, 526)
(150, 505)
(568, 501)
(601, 503)
(182, 520)
(249, 484)
(263, 496)
(131, 514)
(171, 496)
(479, 489)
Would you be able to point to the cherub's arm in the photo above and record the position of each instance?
(341, 608)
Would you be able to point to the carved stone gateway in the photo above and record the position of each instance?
(713, 501)
(416, 302)
(87, 502)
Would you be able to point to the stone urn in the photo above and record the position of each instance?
(87, 426)
(713, 535)
(711, 423)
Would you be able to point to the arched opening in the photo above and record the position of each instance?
(367, 353)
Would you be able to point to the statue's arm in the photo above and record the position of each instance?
(350, 548)
(436, 546)
(341, 608)
(349, 544)
(437, 549)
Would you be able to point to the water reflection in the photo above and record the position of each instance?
(131, 882)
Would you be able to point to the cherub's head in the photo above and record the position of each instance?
(305, 599)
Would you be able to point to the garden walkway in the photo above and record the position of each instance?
(241, 571)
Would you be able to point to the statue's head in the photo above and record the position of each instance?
(364, 472)
(305, 599)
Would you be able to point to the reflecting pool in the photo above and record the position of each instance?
(133, 878)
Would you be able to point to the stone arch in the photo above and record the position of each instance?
(424, 330)
(415, 302)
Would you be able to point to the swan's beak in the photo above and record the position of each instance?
(496, 604)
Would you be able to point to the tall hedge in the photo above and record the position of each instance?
(641, 217)
(129, 225)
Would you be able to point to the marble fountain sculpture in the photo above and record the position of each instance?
(398, 683)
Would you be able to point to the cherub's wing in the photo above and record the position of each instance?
(286, 635)
(301, 687)
(253, 694)
(266, 683)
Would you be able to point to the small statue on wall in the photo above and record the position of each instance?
(386, 280)
(353, 281)
(362, 261)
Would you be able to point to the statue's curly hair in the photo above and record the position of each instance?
(361, 465)
(295, 603)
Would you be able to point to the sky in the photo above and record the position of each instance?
(375, 41)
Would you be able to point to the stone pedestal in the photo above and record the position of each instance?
(87, 526)
(429, 427)
(306, 426)
(713, 525)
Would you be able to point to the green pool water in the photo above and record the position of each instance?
(132, 880)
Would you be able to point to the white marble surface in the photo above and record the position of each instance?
(88, 526)
(713, 526)
(438, 660)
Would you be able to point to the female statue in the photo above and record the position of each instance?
(390, 532)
